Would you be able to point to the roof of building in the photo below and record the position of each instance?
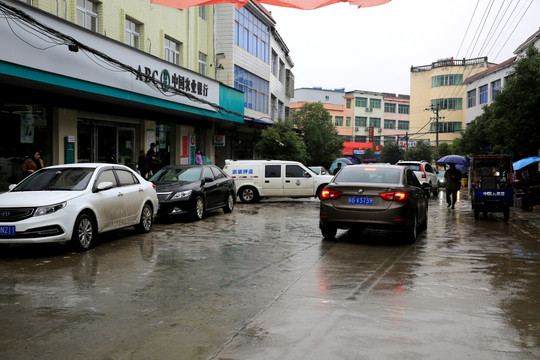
(491, 70)
(530, 40)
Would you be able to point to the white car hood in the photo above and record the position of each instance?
(36, 198)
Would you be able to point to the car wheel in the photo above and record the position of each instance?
(328, 231)
(249, 194)
(145, 224)
(411, 234)
(198, 211)
(83, 232)
(229, 205)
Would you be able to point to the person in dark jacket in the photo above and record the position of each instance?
(32, 163)
(143, 164)
(453, 184)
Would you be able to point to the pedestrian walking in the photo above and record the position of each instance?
(153, 160)
(198, 157)
(453, 184)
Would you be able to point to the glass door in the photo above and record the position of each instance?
(126, 147)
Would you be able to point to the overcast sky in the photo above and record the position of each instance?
(341, 46)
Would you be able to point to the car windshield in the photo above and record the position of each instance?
(177, 174)
(67, 179)
(351, 174)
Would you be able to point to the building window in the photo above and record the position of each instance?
(133, 33)
(403, 109)
(375, 122)
(87, 14)
(495, 89)
(281, 71)
(446, 127)
(403, 125)
(483, 94)
(348, 121)
(471, 98)
(251, 34)
(348, 103)
(339, 120)
(389, 108)
(256, 90)
(202, 12)
(360, 121)
(360, 102)
(280, 110)
(274, 63)
(389, 124)
(446, 80)
(171, 51)
(451, 103)
(202, 63)
(375, 103)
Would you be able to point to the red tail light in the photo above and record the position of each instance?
(330, 194)
(154, 186)
(395, 196)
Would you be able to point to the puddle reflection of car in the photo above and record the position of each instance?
(193, 189)
(74, 203)
(374, 196)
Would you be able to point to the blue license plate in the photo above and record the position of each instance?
(7, 230)
(360, 200)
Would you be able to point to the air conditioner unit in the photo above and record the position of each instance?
(356, 128)
(380, 131)
(367, 129)
(369, 109)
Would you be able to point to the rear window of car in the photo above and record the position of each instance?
(413, 167)
(377, 175)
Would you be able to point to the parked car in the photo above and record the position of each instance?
(256, 179)
(425, 173)
(440, 179)
(193, 189)
(380, 196)
(319, 170)
(75, 202)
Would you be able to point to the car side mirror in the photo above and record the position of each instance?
(306, 174)
(105, 185)
(208, 179)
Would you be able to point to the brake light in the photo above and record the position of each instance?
(423, 175)
(327, 194)
(423, 171)
(395, 196)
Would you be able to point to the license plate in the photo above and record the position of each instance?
(7, 230)
(360, 200)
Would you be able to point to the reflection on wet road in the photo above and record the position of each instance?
(260, 283)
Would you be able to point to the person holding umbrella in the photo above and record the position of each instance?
(453, 184)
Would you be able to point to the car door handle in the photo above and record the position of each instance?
(266, 181)
(287, 181)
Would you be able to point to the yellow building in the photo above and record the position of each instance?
(437, 112)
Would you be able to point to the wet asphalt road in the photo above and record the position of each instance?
(261, 283)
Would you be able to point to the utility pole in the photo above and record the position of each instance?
(435, 109)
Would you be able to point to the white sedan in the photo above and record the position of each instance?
(74, 203)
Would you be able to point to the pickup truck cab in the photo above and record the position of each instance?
(256, 179)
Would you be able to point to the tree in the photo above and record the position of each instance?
(392, 154)
(280, 142)
(442, 150)
(369, 154)
(320, 135)
(421, 151)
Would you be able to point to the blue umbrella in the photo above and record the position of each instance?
(456, 159)
(343, 161)
(462, 168)
(520, 164)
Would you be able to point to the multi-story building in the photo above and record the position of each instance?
(253, 58)
(364, 119)
(84, 76)
(437, 112)
(484, 86)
